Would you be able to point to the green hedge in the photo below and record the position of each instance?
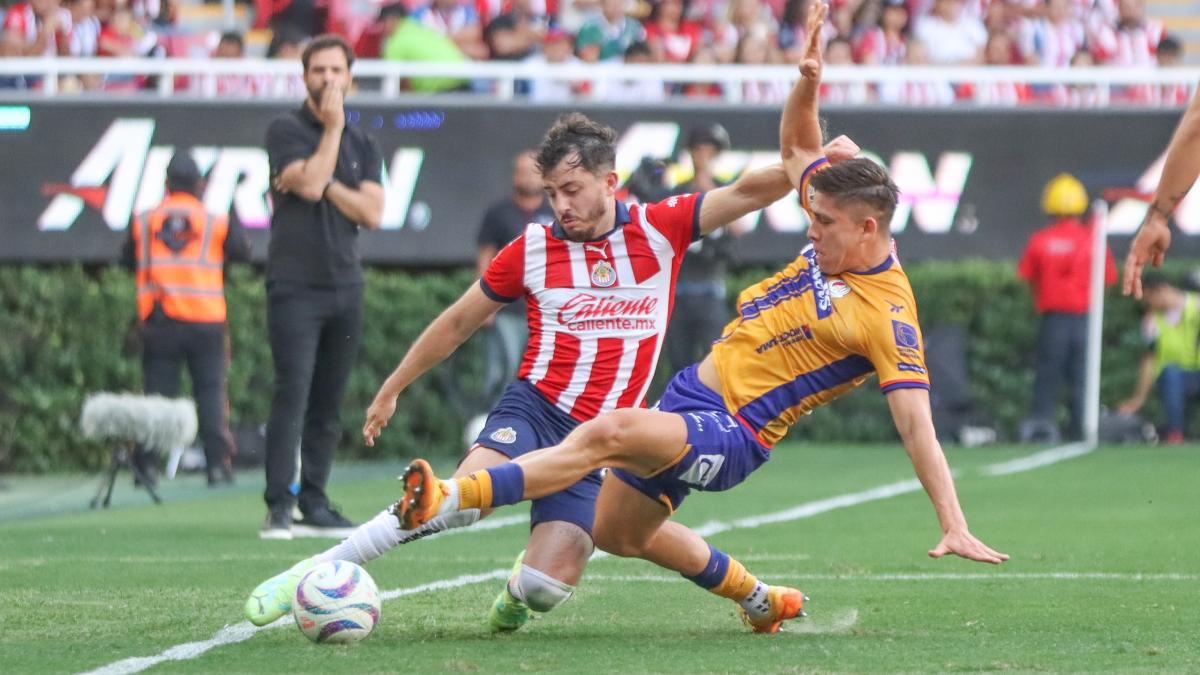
(66, 332)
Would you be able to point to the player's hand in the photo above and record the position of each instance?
(964, 545)
(1149, 246)
(810, 65)
(841, 149)
(333, 111)
(381, 410)
(1129, 406)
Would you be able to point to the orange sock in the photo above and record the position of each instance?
(475, 490)
(738, 583)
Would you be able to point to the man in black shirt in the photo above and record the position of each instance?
(326, 184)
(504, 220)
(700, 308)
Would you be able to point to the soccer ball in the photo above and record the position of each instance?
(336, 602)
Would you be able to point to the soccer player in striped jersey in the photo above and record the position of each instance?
(598, 285)
(842, 310)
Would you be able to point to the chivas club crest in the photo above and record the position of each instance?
(505, 435)
(603, 274)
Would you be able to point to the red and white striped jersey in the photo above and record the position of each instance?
(597, 310)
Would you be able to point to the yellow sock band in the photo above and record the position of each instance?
(738, 583)
(475, 490)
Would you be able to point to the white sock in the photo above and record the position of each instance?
(382, 533)
(451, 501)
(757, 604)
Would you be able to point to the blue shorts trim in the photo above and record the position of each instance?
(721, 451)
(524, 421)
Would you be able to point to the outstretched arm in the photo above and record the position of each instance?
(1179, 175)
(800, 127)
(438, 341)
(914, 421)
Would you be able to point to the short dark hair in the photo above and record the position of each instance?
(590, 142)
(860, 181)
(395, 10)
(327, 41)
(233, 37)
(638, 49)
(1169, 46)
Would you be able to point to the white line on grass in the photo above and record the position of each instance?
(1038, 459)
(970, 576)
(245, 630)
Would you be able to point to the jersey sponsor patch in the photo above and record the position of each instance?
(838, 288)
(507, 435)
(703, 470)
(906, 335)
(910, 367)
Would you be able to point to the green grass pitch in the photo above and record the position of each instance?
(1104, 577)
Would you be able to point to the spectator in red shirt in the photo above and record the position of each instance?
(36, 28)
(1057, 264)
(671, 38)
(884, 44)
(516, 34)
(370, 42)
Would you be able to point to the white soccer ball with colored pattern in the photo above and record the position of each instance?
(336, 602)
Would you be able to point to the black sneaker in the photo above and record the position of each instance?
(323, 521)
(278, 524)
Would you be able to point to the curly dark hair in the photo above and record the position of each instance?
(861, 181)
(580, 142)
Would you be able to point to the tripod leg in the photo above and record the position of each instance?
(141, 475)
(118, 459)
(106, 482)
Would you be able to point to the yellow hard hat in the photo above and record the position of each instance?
(1064, 196)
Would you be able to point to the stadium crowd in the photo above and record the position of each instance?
(1046, 33)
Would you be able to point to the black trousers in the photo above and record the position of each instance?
(1061, 359)
(166, 345)
(315, 333)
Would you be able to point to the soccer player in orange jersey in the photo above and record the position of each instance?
(842, 310)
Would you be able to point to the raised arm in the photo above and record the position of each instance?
(760, 188)
(914, 420)
(309, 177)
(437, 342)
(1179, 175)
(799, 126)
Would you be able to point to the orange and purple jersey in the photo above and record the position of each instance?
(802, 339)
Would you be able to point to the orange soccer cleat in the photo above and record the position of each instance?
(786, 603)
(423, 495)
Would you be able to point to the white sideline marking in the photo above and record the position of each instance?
(1038, 459)
(970, 576)
(189, 650)
(240, 632)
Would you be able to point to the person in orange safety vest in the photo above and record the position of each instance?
(178, 251)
